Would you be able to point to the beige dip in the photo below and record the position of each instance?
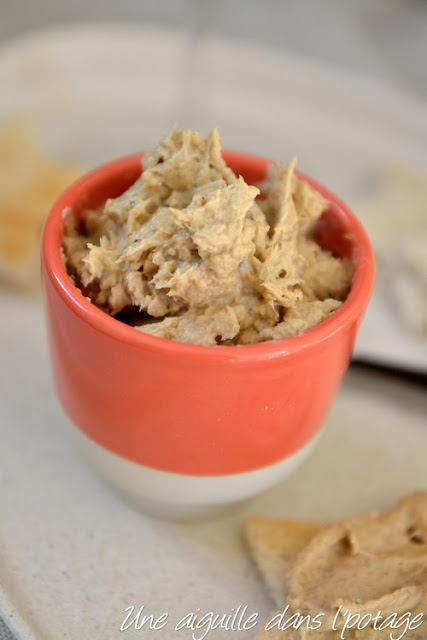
(190, 249)
(364, 578)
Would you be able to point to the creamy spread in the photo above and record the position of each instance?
(364, 578)
(191, 253)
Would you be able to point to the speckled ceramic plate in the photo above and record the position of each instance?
(73, 557)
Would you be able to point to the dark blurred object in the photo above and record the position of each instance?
(396, 372)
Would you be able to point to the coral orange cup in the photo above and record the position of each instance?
(184, 429)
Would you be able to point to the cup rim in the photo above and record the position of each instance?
(349, 312)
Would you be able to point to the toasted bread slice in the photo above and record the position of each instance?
(30, 181)
(274, 545)
(317, 569)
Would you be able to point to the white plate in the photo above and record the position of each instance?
(72, 556)
(100, 91)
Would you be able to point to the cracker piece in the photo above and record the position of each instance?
(380, 559)
(274, 545)
(30, 181)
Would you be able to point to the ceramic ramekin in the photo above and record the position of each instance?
(184, 429)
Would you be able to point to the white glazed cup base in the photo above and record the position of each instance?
(176, 512)
(175, 496)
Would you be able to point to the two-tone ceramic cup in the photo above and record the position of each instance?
(182, 429)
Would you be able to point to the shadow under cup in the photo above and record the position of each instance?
(182, 428)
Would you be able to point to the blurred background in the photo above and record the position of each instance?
(385, 39)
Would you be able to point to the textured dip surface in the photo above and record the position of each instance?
(365, 578)
(191, 253)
